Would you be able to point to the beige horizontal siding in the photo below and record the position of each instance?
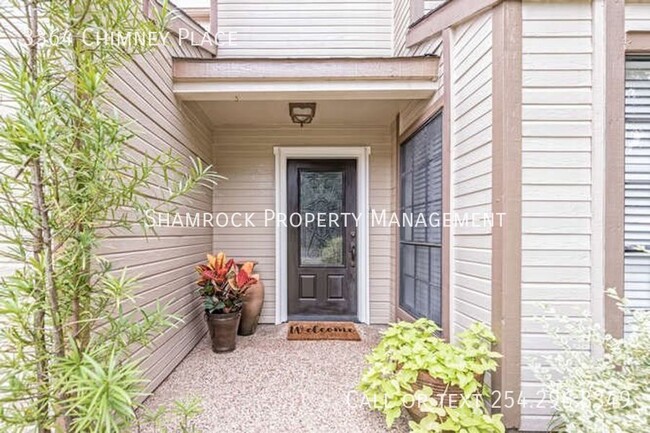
(188, 4)
(430, 5)
(637, 15)
(556, 192)
(295, 28)
(401, 21)
(246, 157)
(7, 266)
(471, 170)
(141, 92)
(414, 110)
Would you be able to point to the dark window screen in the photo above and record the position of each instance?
(420, 247)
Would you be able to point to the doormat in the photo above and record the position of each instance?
(323, 331)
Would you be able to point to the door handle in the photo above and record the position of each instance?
(353, 253)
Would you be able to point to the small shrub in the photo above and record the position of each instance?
(599, 394)
(184, 413)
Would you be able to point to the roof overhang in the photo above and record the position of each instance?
(313, 78)
(446, 15)
(180, 23)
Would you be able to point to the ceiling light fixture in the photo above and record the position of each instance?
(302, 112)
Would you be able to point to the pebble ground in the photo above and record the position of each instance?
(272, 385)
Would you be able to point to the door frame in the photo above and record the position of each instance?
(362, 155)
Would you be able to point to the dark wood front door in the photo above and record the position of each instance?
(322, 239)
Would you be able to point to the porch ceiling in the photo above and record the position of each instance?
(402, 78)
(276, 113)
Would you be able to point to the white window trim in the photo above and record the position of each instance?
(362, 155)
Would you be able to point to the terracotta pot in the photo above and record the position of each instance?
(223, 331)
(446, 395)
(250, 314)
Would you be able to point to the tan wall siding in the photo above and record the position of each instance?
(296, 28)
(414, 110)
(401, 22)
(637, 15)
(6, 107)
(246, 157)
(352, 28)
(390, 257)
(471, 170)
(430, 5)
(142, 93)
(556, 192)
(188, 4)
(6, 42)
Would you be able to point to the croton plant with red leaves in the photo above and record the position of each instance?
(223, 284)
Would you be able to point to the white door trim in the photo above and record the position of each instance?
(362, 155)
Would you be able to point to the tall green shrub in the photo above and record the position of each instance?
(70, 324)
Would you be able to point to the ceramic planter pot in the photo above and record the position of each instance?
(444, 394)
(223, 331)
(250, 314)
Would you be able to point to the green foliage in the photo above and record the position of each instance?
(69, 176)
(332, 251)
(470, 416)
(103, 388)
(183, 412)
(409, 348)
(223, 301)
(598, 393)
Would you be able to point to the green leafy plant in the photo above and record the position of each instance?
(597, 393)
(467, 417)
(183, 413)
(69, 175)
(406, 349)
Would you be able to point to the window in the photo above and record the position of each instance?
(637, 185)
(420, 244)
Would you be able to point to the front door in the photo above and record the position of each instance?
(322, 239)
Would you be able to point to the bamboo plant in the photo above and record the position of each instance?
(68, 176)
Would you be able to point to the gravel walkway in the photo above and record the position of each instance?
(272, 385)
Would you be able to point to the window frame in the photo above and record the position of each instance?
(434, 111)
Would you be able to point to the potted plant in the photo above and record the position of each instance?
(253, 301)
(223, 286)
(438, 383)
